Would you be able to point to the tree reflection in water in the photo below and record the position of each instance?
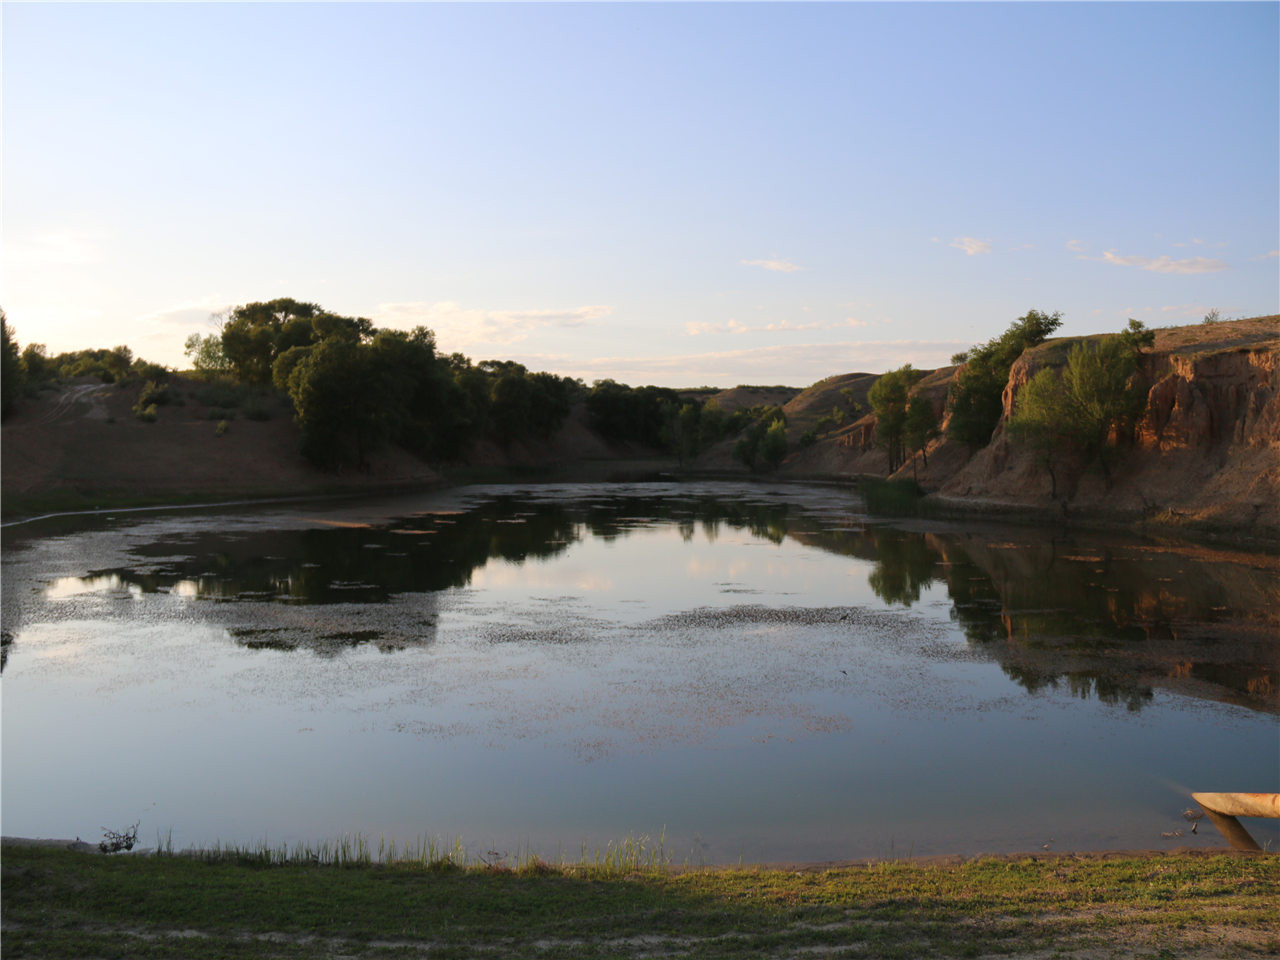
(1109, 617)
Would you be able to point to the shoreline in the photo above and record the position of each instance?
(20, 510)
(804, 866)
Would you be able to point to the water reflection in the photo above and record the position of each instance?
(1109, 618)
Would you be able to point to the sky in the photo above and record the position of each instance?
(681, 194)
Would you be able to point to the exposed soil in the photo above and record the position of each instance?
(82, 439)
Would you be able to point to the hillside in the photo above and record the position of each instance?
(79, 444)
(1207, 452)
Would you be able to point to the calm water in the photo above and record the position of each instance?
(757, 672)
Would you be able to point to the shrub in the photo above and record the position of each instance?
(153, 393)
(146, 413)
(221, 428)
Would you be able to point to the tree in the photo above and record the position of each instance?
(340, 403)
(1097, 400)
(976, 393)
(254, 335)
(752, 448)
(773, 445)
(12, 374)
(888, 398)
(1042, 421)
(920, 425)
(206, 354)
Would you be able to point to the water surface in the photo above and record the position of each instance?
(752, 671)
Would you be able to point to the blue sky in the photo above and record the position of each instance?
(671, 193)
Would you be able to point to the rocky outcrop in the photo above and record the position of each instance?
(1206, 450)
(1201, 401)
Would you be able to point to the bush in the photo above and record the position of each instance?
(147, 413)
(153, 393)
(221, 428)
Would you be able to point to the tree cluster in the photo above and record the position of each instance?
(763, 443)
(354, 387)
(1088, 409)
(890, 400)
(31, 368)
(975, 399)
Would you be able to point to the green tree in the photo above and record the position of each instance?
(751, 448)
(12, 374)
(919, 426)
(976, 393)
(711, 424)
(36, 364)
(254, 334)
(341, 403)
(773, 445)
(206, 354)
(1042, 422)
(888, 397)
(1091, 409)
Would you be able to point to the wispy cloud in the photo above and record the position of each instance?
(1165, 264)
(780, 266)
(701, 328)
(971, 245)
(1269, 255)
(1075, 246)
(189, 313)
(458, 327)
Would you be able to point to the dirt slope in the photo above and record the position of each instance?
(82, 440)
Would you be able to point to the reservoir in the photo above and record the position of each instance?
(738, 672)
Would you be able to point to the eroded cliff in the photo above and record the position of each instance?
(1206, 450)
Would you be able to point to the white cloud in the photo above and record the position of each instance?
(458, 327)
(695, 328)
(189, 313)
(781, 266)
(1075, 245)
(971, 245)
(1165, 264)
(1269, 255)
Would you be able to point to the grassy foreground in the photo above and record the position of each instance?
(58, 903)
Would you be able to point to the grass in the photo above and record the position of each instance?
(628, 903)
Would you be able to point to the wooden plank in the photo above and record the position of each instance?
(1223, 808)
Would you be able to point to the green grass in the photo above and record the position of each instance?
(62, 904)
